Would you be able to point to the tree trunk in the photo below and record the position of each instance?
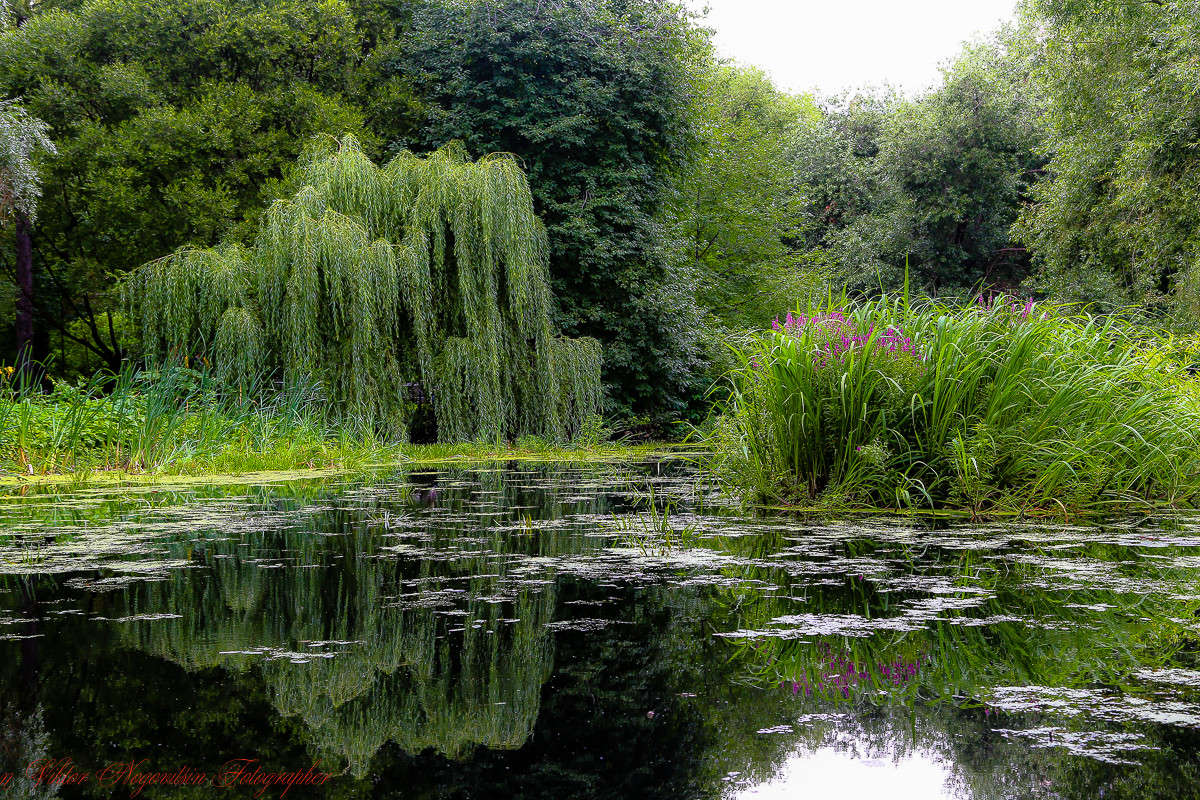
(24, 295)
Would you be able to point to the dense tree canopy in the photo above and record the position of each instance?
(591, 97)
(684, 197)
(175, 120)
(178, 120)
(736, 207)
(933, 184)
(1118, 219)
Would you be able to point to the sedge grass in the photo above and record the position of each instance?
(998, 406)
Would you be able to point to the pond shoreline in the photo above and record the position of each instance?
(382, 458)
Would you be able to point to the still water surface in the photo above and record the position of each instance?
(605, 631)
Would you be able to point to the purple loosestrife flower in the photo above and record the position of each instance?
(836, 336)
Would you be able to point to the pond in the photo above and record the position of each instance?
(610, 631)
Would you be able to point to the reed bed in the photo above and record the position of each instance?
(999, 405)
(185, 418)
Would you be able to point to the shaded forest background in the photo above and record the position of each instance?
(686, 198)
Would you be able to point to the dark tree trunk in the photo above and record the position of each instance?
(24, 295)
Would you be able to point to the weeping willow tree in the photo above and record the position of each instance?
(430, 270)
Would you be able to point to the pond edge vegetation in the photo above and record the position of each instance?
(996, 407)
(180, 420)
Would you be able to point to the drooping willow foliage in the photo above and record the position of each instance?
(21, 136)
(430, 270)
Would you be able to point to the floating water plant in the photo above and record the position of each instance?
(428, 270)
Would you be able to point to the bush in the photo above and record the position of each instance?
(1000, 405)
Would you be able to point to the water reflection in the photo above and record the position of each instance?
(558, 632)
(838, 773)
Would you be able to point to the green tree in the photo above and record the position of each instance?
(1117, 220)
(933, 184)
(736, 208)
(592, 99)
(176, 121)
(835, 157)
(431, 269)
(964, 157)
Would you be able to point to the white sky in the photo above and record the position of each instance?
(831, 45)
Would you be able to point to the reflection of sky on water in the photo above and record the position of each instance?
(829, 772)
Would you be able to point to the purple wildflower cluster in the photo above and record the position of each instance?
(840, 675)
(839, 336)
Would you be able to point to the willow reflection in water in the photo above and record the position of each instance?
(379, 622)
(542, 634)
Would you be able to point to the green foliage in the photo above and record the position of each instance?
(997, 406)
(1116, 220)
(963, 159)
(179, 121)
(147, 421)
(683, 198)
(175, 122)
(927, 187)
(239, 348)
(184, 420)
(429, 269)
(22, 138)
(736, 206)
(173, 419)
(591, 97)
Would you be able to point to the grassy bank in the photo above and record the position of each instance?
(181, 422)
(998, 406)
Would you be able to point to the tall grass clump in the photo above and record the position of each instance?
(1001, 405)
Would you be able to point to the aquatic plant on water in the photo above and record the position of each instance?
(368, 279)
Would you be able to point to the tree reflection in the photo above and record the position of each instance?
(475, 635)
